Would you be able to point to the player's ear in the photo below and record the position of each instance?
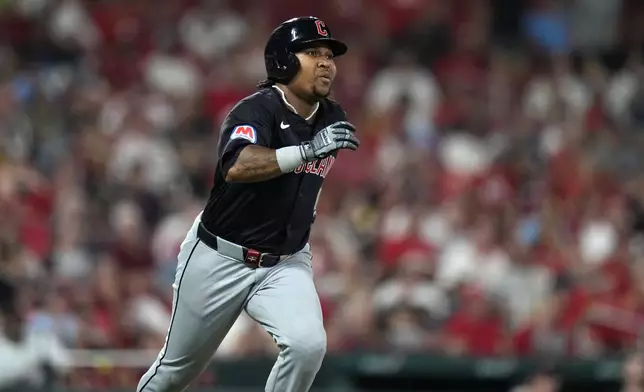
(300, 57)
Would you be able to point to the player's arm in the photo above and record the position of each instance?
(257, 163)
(247, 156)
(244, 146)
(254, 164)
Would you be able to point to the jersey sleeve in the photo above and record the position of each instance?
(248, 123)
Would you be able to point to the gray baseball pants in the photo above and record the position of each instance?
(211, 289)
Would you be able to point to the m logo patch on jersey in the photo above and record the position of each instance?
(244, 132)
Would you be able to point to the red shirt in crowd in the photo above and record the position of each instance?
(616, 321)
(481, 336)
(392, 249)
(564, 326)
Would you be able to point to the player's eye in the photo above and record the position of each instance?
(317, 54)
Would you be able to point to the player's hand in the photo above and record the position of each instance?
(339, 135)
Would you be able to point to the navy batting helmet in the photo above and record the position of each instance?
(292, 36)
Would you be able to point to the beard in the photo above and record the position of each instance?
(321, 93)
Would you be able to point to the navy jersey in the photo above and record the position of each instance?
(272, 216)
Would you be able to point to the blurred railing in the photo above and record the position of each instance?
(110, 358)
(350, 373)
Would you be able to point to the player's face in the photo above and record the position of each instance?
(317, 72)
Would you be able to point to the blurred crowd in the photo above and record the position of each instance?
(492, 208)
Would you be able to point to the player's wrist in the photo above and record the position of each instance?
(289, 158)
(308, 152)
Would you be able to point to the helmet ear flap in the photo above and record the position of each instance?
(283, 66)
(293, 67)
(273, 65)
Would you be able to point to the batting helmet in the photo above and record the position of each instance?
(290, 37)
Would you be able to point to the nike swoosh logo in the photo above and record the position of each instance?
(284, 126)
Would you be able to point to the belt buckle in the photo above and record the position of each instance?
(253, 257)
(260, 263)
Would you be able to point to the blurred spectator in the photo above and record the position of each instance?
(405, 80)
(57, 318)
(137, 145)
(545, 24)
(29, 359)
(412, 304)
(540, 381)
(633, 374)
(70, 23)
(145, 313)
(526, 287)
(412, 286)
(169, 71)
(130, 247)
(556, 329)
(622, 88)
(555, 93)
(586, 15)
(476, 328)
(211, 29)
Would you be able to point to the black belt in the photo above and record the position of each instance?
(251, 257)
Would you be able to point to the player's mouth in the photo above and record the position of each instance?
(325, 78)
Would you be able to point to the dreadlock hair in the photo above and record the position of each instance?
(265, 83)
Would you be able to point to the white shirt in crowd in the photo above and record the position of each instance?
(211, 37)
(160, 162)
(23, 361)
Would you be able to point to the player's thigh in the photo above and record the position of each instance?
(287, 305)
(209, 293)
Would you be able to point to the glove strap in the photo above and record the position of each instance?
(306, 149)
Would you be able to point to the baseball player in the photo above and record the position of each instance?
(248, 250)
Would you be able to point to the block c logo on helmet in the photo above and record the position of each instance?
(244, 132)
(322, 30)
